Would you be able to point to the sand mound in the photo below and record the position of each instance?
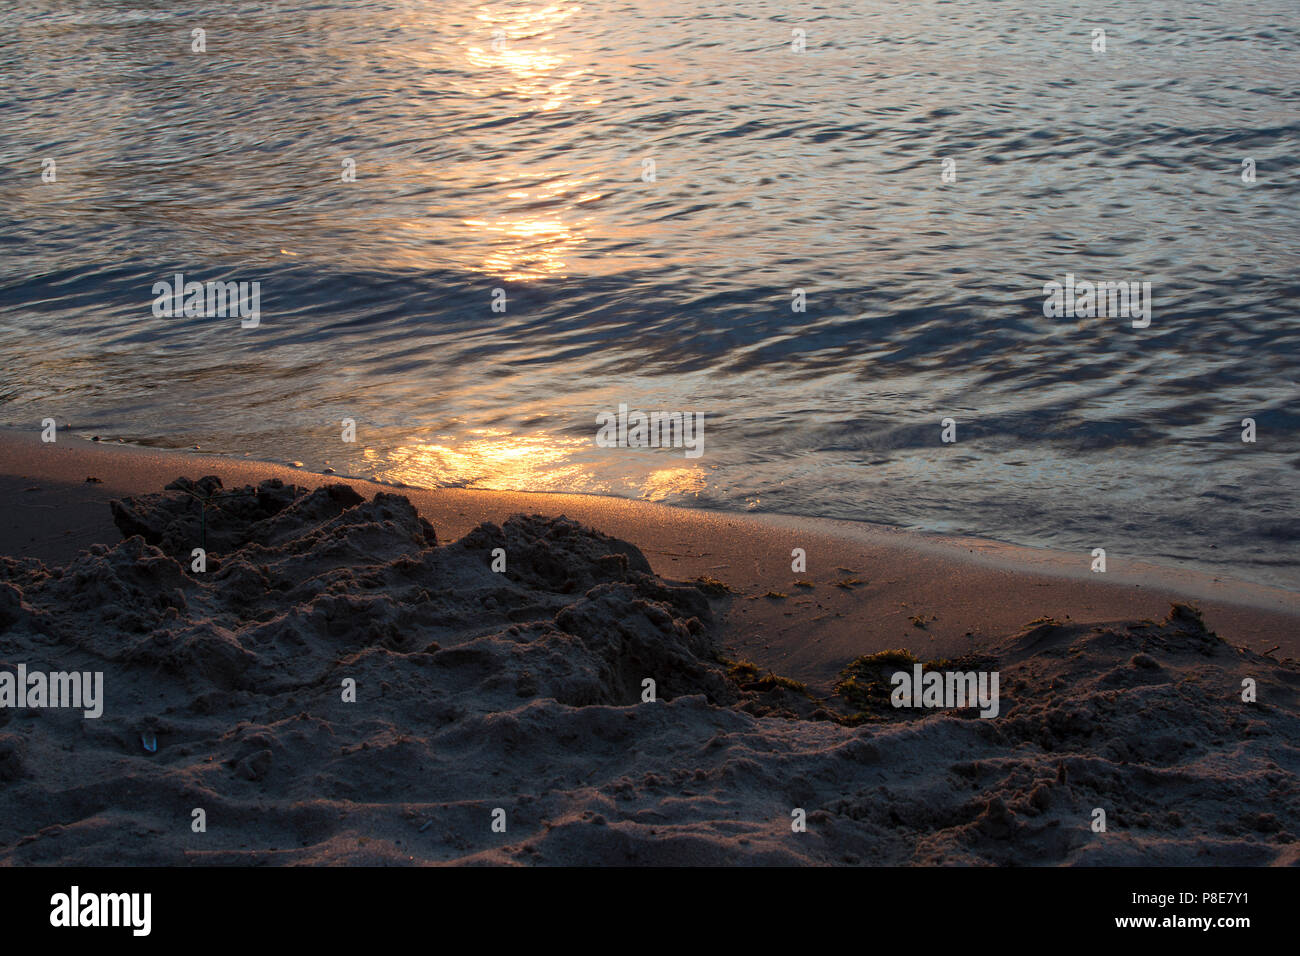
(522, 690)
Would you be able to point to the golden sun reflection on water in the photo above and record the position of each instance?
(523, 21)
(535, 242)
(536, 245)
(532, 70)
(530, 248)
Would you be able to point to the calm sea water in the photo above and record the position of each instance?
(504, 146)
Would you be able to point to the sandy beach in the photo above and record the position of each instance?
(501, 715)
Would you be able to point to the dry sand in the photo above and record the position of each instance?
(522, 690)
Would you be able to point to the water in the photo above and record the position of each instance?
(519, 166)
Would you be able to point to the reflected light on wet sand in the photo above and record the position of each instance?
(673, 482)
(490, 459)
(498, 460)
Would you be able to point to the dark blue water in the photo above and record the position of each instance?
(504, 146)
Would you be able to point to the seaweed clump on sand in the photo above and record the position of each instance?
(865, 685)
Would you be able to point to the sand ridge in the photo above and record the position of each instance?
(522, 692)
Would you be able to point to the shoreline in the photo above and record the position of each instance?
(875, 587)
(1189, 578)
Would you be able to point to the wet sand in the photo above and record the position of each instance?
(870, 581)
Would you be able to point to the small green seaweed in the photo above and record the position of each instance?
(749, 677)
(711, 586)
